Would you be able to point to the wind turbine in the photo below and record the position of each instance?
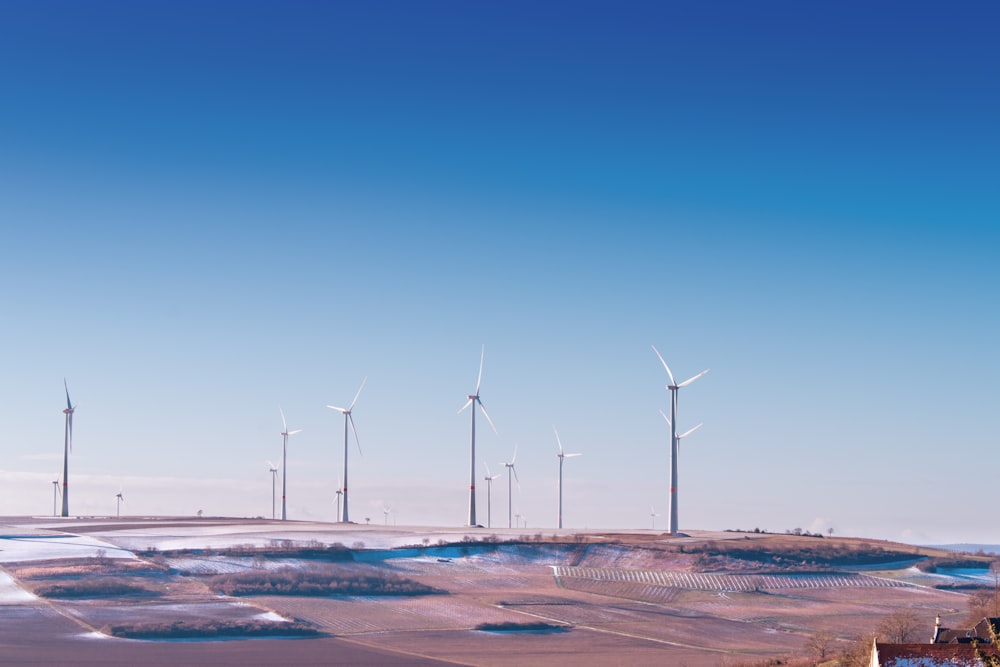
(385, 511)
(120, 499)
(349, 418)
(653, 515)
(489, 495)
(55, 494)
(511, 470)
(273, 469)
(284, 462)
(562, 455)
(473, 399)
(67, 448)
(340, 492)
(674, 440)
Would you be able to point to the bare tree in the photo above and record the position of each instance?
(900, 627)
(820, 645)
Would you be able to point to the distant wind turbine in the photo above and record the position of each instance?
(118, 505)
(55, 495)
(349, 418)
(511, 470)
(473, 399)
(653, 515)
(273, 469)
(67, 448)
(674, 440)
(284, 462)
(340, 492)
(385, 511)
(489, 495)
(562, 455)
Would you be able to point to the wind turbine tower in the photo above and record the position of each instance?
(55, 495)
(340, 492)
(284, 462)
(119, 500)
(674, 440)
(349, 418)
(273, 469)
(562, 455)
(473, 400)
(67, 448)
(511, 470)
(489, 495)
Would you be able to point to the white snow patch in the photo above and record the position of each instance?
(15, 548)
(11, 593)
(270, 616)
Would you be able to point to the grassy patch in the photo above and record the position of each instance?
(318, 581)
(98, 587)
(210, 629)
(511, 626)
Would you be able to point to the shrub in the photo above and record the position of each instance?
(92, 588)
(207, 628)
(317, 581)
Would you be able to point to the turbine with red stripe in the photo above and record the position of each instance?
(674, 438)
(473, 400)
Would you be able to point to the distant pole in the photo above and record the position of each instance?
(673, 460)
(472, 481)
(345, 519)
(284, 474)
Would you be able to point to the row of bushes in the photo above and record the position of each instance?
(317, 581)
(206, 629)
(820, 554)
(92, 588)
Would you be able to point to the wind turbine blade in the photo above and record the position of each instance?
(479, 379)
(514, 470)
(350, 418)
(690, 380)
(298, 430)
(270, 466)
(69, 405)
(486, 465)
(514, 458)
(660, 356)
(558, 441)
(334, 407)
(487, 415)
(467, 404)
(689, 431)
(664, 414)
(359, 393)
(495, 476)
(284, 424)
(569, 456)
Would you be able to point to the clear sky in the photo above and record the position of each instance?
(212, 209)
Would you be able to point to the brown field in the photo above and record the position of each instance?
(632, 598)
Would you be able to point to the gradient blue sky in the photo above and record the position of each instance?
(211, 209)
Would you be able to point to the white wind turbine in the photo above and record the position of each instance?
(67, 448)
(349, 418)
(284, 462)
(511, 470)
(562, 455)
(340, 492)
(473, 399)
(273, 469)
(489, 495)
(118, 504)
(55, 495)
(385, 511)
(674, 440)
(653, 515)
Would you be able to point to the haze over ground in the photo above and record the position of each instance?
(213, 210)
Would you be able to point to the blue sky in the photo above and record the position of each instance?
(211, 209)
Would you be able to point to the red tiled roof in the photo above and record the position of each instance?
(931, 655)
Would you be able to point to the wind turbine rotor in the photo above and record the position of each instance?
(486, 414)
(690, 431)
(667, 368)
(358, 394)
(692, 379)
